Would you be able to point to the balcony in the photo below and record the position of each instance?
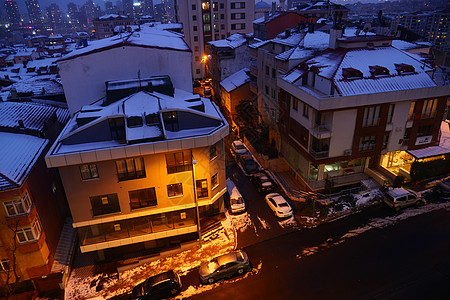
(318, 154)
(322, 131)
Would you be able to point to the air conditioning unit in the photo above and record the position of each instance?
(348, 152)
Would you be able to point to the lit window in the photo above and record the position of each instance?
(28, 234)
(18, 206)
(131, 168)
(174, 190)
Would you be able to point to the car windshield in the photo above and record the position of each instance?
(213, 265)
(239, 256)
(239, 147)
(284, 204)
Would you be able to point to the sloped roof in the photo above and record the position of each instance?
(236, 80)
(332, 62)
(35, 84)
(33, 115)
(148, 36)
(18, 154)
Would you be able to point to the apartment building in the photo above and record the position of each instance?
(207, 20)
(142, 160)
(33, 206)
(228, 56)
(104, 26)
(274, 58)
(138, 171)
(356, 108)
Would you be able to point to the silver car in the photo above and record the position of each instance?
(224, 266)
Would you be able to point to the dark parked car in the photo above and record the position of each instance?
(160, 286)
(224, 266)
(442, 189)
(263, 182)
(248, 164)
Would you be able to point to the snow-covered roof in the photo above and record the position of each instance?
(236, 80)
(18, 154)
(56, 36)
(38, 85)
(443, 148)
(33, 115)
(404, 45)
(233, 41)
(148, 36)
(141, 104)
(112, 16)
(334, 63)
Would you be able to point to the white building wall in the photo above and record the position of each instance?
(342, 131)
(399, 119)
(84, 77)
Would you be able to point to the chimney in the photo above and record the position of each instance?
(335, 33)
(266, 15)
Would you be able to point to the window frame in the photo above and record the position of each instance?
(25, 203)
(174, 190)
(200, 190)
(90, 170)
(137, 197)
(131, 171)
(182, 161)
(111, 206)
(212, 151)
(214, 181)
(34, 230)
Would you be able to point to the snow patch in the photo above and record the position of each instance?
(264, 223)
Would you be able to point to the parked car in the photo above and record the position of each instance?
(238, 147)
(400, 198)
(263, 182)
(248, 164)
(224, 266)
(279, 205)
(442, 189)
(160, 286)
(207, 91)
(237, 203)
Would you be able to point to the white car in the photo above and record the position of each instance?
(279, 205)
(237, 203)
(238, 148)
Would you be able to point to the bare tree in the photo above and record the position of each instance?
(9, 277)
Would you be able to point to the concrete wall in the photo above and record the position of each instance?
(78, 191)
(84, 77)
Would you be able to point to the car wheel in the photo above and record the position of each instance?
(240, 271)
(173, 291)
(397, 209)
(211, 280)
(419, 203)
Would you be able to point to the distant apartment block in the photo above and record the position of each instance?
(206, 21)
(104, 26)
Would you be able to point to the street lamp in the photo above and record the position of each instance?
(194, 162)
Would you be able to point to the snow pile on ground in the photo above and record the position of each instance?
(241, 221)
(84, 287)
(375, 223)
(367, 198)
(264, 223)
(290, 222)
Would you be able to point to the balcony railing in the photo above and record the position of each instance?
(318, 154)
(110, 231)
(323, 128)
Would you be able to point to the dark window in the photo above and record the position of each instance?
(152, 119)
(222, 16)
(425, 130)
(195, 38)
(242, 15)
(88, 171)
(214, 181)
(117, 128)
(105, 204)
(171, 120)
(196, 58)
(233, 5)
(143, 198)
(242, 4)
(194, 18)
(222, 6)
(371, 116)
(212, 151)
(267, 90)
(202, 188)
(134, 122)
(175, 190)
(274, 73)
(294, 103)
(197, 71)
(233, 16)
(194, 7)
(233, 26)
(179, 162)
(267, 70)
(131, 168)
(195, 28)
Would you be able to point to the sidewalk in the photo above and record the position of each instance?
(89, 280)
